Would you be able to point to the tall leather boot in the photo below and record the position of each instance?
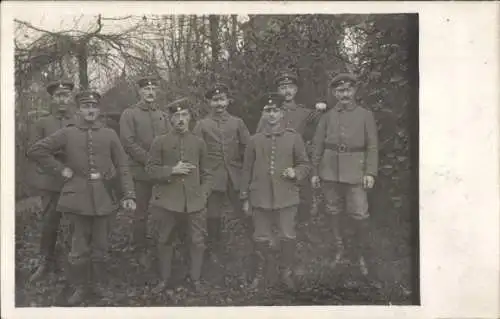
(214, 225)
(338, 241)
(260, 256)
(287, 262)
(196, 253)
(79, 275)
(99, 278)
(363, 245)
(165, 255)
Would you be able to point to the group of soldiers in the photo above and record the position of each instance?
(182, 176)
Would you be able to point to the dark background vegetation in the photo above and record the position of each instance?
(245, 55)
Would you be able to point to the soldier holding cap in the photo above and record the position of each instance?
(177, 163)
(226, 137)
(345, 160)
(49, 185)
(139, 125)
(299, 118)
(275, 162)
(93, 156)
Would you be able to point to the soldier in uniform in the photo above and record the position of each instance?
(226, 137)
(301, 119)
(177, 163)
(345, 160)
(94, 155)
(49, 185)
(139, 125)
(275, 162)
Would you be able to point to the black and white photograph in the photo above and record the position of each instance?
(216, 160)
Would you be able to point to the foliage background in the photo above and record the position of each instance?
(190, 52)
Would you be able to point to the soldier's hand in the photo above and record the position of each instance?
(315, 182)
(368, 181)
(67, 173)
(289, 173)
(129, 204)
(182, 168)
(246, 207)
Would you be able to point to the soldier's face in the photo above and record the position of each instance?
(288, 91)
(180, 120)
(89, 111)
(219, 102)
(344, 93)
(149, 93)
(62, 98)
(272, 115)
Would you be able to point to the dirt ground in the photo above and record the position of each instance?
(129, 283)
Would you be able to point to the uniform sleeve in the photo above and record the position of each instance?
(119, 159)
(206, 178)
(197, 130)
(154, 166)
(35, 133)
(371, 136)
(128, 138)
(318, 144)
(247, 172)
(311, 123)
(44, 150)
(260, 125)
(243, 136)
(302, 166)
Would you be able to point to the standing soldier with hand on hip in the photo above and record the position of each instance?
(177, 163)
(139, 125)
(93, 156)
(49, 184)
(275, 163)
(226, 137)
(345, 161)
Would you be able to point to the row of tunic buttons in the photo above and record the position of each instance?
(181, 152)
(273, 151)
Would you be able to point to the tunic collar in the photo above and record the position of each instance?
(289, 105)
(147, 106)
(81, 124)
(339, 107)
(224, 116)
(269, 132)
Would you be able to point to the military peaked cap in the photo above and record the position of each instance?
(179, 105)
(286, 77)
(88, 97)
(218, 88)
(342, 78)
(148, 80)
(65, 85)
(271, 99)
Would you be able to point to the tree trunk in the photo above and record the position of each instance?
(234, 36)
(83, 66)
(214, 41)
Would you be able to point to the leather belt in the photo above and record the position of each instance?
(342, 148)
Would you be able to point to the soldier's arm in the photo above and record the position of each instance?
(128, 138)
(243, 137)
(371, 145)
(36, 133)
(206, 178)
(260, 125)
(302, 166)
(318, 144)
(311, 123)
(44, 150)
(198, 130)
(248, 162)
(119, 159)
(155, 169)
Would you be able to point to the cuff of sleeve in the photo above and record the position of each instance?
(129, 195)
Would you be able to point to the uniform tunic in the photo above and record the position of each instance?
(87, 149)
(226, 137)
(179, 193)
(345, 146)
(37, 176)
(266, 157)
(139, 125)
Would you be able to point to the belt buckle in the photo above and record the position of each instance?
(94, 176)
(342, 148)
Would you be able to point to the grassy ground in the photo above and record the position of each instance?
(129, 284)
